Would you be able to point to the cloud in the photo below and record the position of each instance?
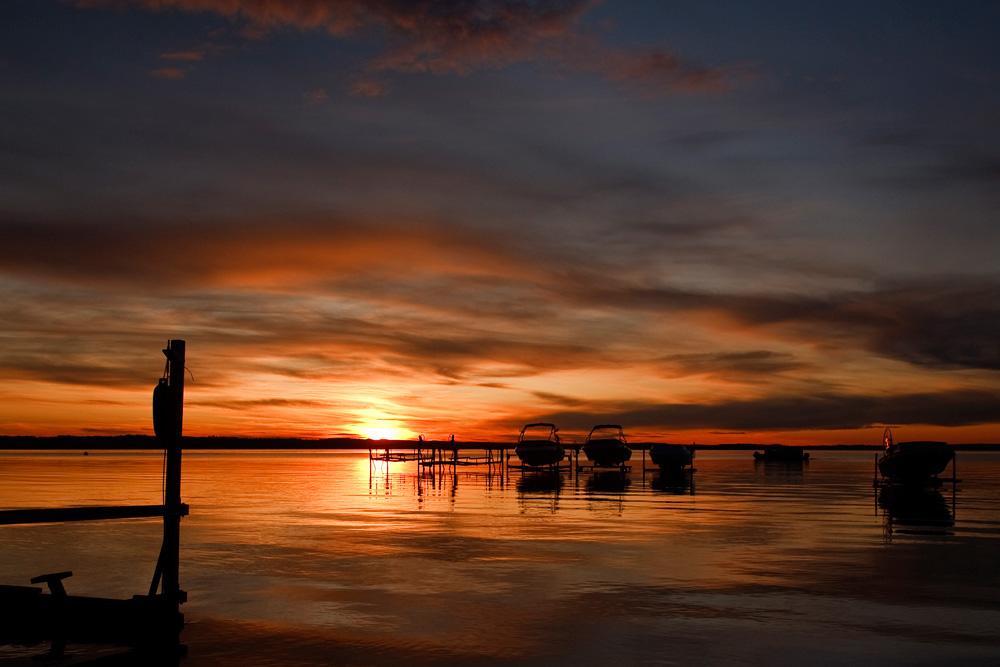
(368, 88)
(793, 413)
(457, 38)
(944, 323)
(656, 71)
(756, 365)
(939, 323)
(443, 290)
(240, 405)
(191, 55)
(266, 253)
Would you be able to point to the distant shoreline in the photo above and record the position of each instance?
(121, 442)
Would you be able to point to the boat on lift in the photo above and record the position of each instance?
(606, 446)
(671, 457)
(915, 462)
(538, 445)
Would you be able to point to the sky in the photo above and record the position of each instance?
(707, 221)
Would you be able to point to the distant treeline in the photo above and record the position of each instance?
(98, 442)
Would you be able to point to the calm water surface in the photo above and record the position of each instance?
(316, 558)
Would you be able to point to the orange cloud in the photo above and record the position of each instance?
(275, 254)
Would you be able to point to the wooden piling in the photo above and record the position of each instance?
(175, 353)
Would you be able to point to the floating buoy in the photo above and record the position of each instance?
(166, 425)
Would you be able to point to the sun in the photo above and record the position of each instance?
(383, 432)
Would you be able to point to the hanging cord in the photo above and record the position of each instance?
(163, 479)
(163, 470)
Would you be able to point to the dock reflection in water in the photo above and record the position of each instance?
(675, 482)
(916, 510)
(310, 558)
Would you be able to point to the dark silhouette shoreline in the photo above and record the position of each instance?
(123, 442)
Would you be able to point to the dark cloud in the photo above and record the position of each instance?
(426, 36)
(558, 399)
(756, 365)
(84, 366)
(944, 323)
(794, 413)
(72, 372)
(949, 324)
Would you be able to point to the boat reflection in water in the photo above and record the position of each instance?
(674, 482)
(541, 482)
(538, 490)
(915, 510)
(606, 492)
(608, 481)
(918, 462)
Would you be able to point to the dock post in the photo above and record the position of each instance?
(175, 353)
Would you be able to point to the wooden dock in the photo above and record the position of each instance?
(439, 454)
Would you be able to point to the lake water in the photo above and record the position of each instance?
(319, 558)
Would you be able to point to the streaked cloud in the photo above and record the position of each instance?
(268, 253)
(791, 413)
(462, 216)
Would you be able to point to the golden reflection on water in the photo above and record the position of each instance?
(297, 553)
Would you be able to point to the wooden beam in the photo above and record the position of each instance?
(94, 513)
(169, 562)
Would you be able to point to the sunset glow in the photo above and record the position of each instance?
(382, 432)
(381, 220)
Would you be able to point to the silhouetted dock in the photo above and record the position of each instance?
(149, 624)
(439, 453)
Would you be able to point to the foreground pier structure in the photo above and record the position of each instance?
(149, 622)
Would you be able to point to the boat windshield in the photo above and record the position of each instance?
(539, 432)
(608, 432)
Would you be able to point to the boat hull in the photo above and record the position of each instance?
(910, 462)
(670, 457)
(540, 453)
(607, 453)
